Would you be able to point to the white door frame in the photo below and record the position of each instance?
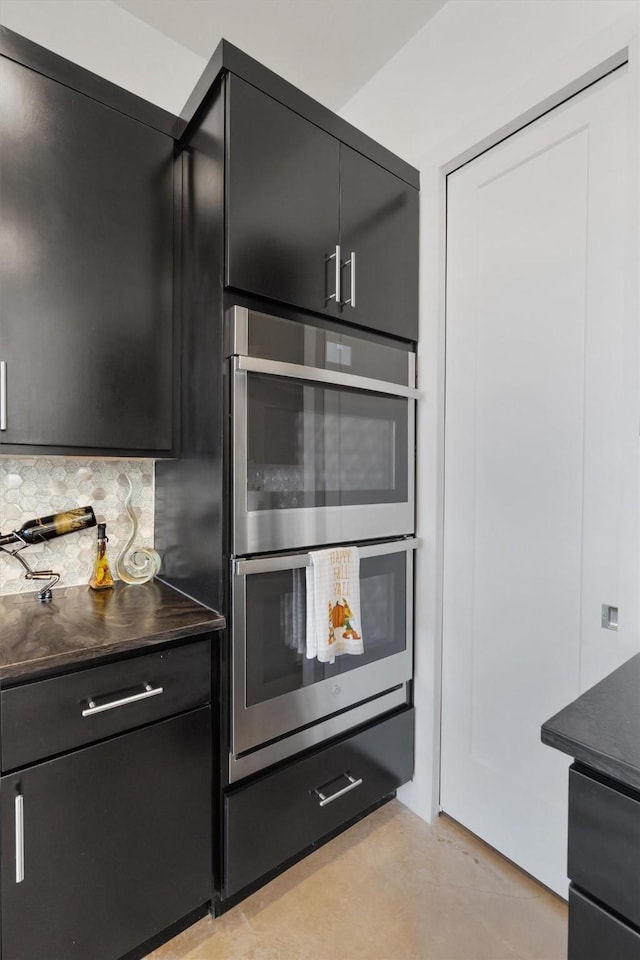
(588, 63)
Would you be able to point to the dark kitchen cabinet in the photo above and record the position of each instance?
(107, 844)
(282, 196)
(379, 224)
(86, 322)
(297, 199)
(603, 865)
(597, 934)
(601, 731)
(115, 843)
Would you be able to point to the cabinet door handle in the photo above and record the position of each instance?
(19, 818)
(336, 257)
(352, 262)
(3, 394)
(93, 707)
(324, 799)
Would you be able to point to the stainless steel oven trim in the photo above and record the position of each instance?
(240, 767)
(282, 715)
(293, 561)
(241, 514)
(252, 726)
(259, 531)
(298, 371)
(262, 531)
(238, 327)
(237, 340)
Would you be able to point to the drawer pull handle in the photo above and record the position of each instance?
(324, 799)
(19, 815)
(148, 691)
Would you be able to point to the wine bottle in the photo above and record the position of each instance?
(101, 577)
(47, 528)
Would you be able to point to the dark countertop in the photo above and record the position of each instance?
(80, 625)
(602, 727)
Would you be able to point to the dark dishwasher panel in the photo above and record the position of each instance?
(280, 815)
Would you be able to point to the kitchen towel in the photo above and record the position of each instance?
(293, 613)
(334, 625)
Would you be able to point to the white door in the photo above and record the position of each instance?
(541, 460)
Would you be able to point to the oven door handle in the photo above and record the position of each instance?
(293, 561)
(298, 371)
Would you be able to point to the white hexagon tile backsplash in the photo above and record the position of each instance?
(43, 485)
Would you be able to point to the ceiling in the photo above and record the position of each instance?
(328, 48)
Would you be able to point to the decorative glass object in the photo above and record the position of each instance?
(135, 564)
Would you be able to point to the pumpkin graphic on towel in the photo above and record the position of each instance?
(340, 616)
(337, 615)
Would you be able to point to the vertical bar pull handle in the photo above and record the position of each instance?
(19, 817)
(352, 262)
(3, 394)
(338, 266)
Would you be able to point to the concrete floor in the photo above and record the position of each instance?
(390, 888)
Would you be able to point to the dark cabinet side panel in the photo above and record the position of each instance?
(117, 843)
(379, 222)
(282, 201)
(190, 492)
(86, 270)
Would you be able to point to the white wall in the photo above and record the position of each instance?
(468, 75)
(102, 37)
(465, 60)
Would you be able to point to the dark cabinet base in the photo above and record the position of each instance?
(117, 843)
(604, 842)
(274, 819)
(596, 934)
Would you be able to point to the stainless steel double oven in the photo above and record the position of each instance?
(322, 452)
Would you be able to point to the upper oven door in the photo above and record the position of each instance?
(321, 454)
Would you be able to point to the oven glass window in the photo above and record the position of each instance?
(276, 662)
(311, 445)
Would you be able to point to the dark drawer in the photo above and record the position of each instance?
(595, 934)
(279, 816)
(45, 717)
(604, 843)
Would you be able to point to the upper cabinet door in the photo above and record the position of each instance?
(86, 271)
(282, 197)
(379, 223)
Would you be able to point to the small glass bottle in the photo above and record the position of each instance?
(101, 578)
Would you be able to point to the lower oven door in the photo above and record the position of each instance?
(277, 692)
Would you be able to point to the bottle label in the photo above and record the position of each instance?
(70, 520)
